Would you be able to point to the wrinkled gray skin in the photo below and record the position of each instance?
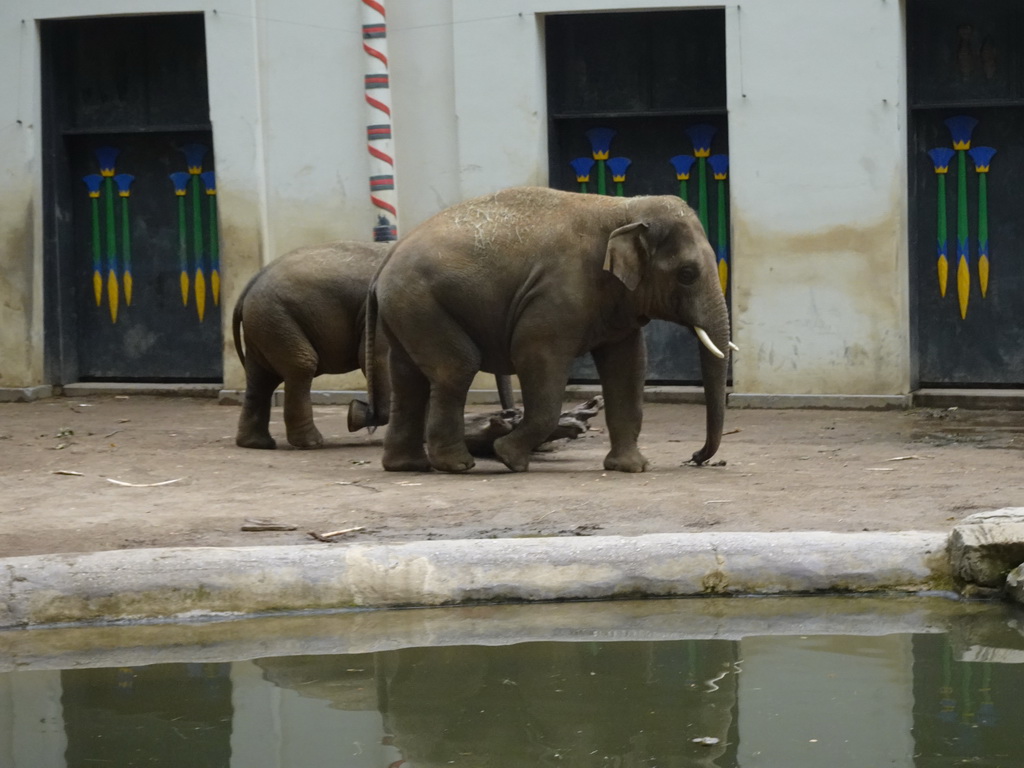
(523, 282)
(302, 316)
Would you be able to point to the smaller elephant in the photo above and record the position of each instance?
(301, 316)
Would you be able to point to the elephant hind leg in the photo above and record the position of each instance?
(410, 391)
(254, 421)
(449, 360)
(446, 426)
(298, 413)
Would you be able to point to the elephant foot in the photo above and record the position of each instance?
(452, 461)
(395, 462)
(265, 442)
(511, 455)
(628, 461)
(307, 440)
(359, 417)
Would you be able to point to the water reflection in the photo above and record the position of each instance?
(566, 704)
(168, 714)
(967, 713)
(934, 698)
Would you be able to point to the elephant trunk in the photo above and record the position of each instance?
(714, 372)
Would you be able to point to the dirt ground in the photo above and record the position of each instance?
(784, 470)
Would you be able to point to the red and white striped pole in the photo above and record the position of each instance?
(383, 194)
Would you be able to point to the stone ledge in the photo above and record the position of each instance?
(986, 547)
(1015, 584)
(159, 584)
(174, 389)
(842, 402)
(979, 399)
(25, 394)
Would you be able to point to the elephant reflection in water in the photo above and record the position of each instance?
(566, 704)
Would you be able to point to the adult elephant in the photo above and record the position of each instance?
(524, 281)
(302, 316)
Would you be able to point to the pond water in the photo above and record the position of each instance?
(663, 684)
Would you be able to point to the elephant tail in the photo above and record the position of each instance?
(236, 319)
(370, 353)
(505, 394)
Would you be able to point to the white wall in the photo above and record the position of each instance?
(21, 306)
(421, 55)
(315, 166)
(818, 179)
(816, 131)
(817, 142)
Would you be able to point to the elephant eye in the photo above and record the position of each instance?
(687, 275)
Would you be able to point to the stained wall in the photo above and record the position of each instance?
(817, 134)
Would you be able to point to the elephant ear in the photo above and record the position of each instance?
(626, 253)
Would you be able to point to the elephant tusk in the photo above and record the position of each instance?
(733, 347)
(707, 342)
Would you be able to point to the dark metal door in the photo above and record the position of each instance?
(637, 107)
(133, 263)
(966, 85)
(147, 274)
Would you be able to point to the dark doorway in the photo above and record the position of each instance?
(132, 245)
(155, 715)
(647, 91)
(966, 90)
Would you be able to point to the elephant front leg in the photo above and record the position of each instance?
(622, 367)
(543, 379)
(298, 414)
